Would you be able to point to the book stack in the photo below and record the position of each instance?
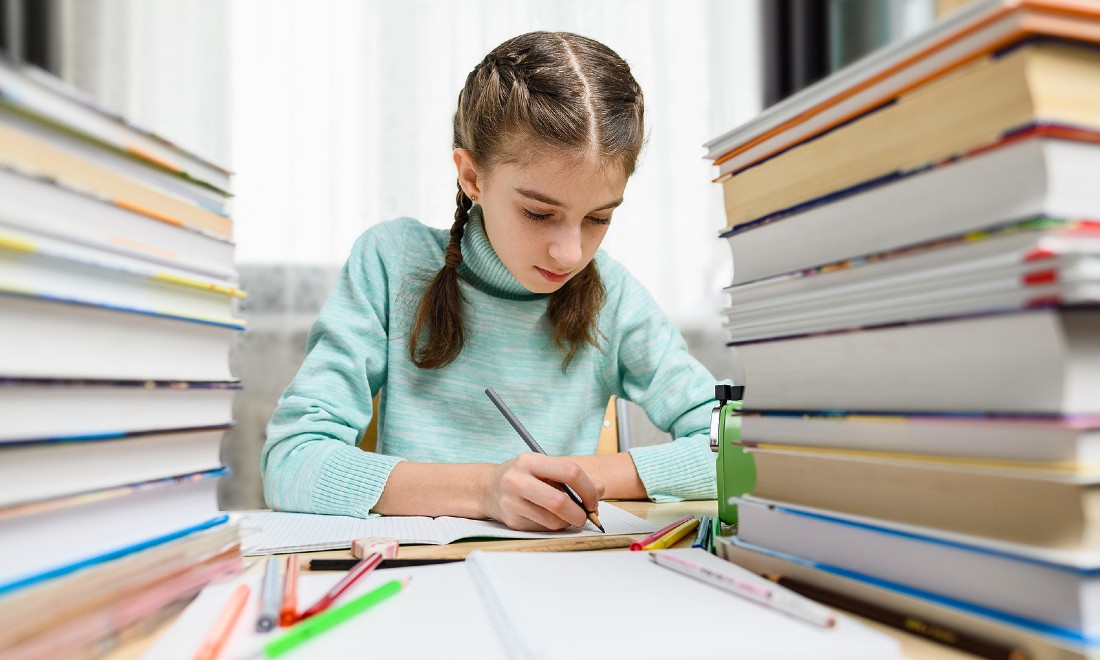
(916, 304)
(117, 290)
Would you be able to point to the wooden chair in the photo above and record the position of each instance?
(608, 443)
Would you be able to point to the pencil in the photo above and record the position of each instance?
(289, 612)
(269, 597)
(670, 539)
(782, 600)
(638, 545)
(943, 633)
(536, 447)
(704, 532)
(307, 630)
(223, 625)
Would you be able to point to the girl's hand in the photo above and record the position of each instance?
(523, 493)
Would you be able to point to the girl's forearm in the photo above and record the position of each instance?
(618, 474)
(435, 489)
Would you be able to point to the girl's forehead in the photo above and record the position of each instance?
(562, 173)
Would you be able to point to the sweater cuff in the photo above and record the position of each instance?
(351, 481)
(678, 470)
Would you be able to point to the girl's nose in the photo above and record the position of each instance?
(565, 248)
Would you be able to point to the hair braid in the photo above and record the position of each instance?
(441, 306)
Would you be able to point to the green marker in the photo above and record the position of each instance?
(315, 625)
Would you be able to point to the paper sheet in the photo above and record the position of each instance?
(304, 532)
(437, 615)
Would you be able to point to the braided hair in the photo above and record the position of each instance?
(555, 90)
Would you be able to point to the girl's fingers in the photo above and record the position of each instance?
(562, 471)
(555, 502)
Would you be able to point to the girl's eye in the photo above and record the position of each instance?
(538, 217)
(598, 221)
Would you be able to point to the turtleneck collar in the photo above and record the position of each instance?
(481, 266)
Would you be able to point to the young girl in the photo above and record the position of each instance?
(515, 297)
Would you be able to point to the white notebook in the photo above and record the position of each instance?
(540, 605)
(275, 532)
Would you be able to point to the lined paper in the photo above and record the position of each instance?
(270, 532)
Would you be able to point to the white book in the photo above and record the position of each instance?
(1042, 361)
(1014, 270)
(34, 409)
(48, 469)
(1067, 441)
(33, 208)
(937, 618)
(58, 537)
(1056, 587)
(43, 338)
(54, 268)
(1033, 177)
(39, 93)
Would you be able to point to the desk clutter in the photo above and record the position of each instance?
(525, 605)
(117, 294)
(916, 304)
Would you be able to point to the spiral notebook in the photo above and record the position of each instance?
(544, 606)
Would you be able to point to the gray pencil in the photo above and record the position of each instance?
(534, 445)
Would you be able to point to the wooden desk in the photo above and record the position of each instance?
(658, 514)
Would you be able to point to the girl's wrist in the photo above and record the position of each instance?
(481, 487)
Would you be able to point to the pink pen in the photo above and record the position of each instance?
(737, 580)
(359, 570)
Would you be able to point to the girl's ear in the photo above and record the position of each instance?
(468, 173)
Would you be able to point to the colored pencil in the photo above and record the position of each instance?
(362, 568)
(670, 539)
(223, 625)
(310, 628)
(638, 545)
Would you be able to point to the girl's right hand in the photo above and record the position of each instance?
(523, 493)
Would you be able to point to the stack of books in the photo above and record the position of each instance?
(916, 304)
(117, 295)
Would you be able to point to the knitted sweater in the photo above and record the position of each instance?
(359, 346)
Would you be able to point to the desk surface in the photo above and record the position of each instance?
(659, 514)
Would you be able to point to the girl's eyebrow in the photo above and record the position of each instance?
(539, 197)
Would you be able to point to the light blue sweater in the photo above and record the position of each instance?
(359, 346)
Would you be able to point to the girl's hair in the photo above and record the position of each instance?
(549, 92)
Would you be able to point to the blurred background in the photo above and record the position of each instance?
(336, 115)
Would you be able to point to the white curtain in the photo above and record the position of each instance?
(342, 118)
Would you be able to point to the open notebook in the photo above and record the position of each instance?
(275, 532)
(542, 605)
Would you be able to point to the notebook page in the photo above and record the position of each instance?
(622, 605)
(277, 532)
(614, 519)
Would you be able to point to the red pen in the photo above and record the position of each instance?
(638, 545)
(358, 571)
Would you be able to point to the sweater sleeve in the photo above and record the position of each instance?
(676, 391)
(310, 461)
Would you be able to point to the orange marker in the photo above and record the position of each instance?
(223, 625)
(289, 612)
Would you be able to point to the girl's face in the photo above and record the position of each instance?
(547, 218)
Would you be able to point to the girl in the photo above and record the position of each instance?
(516, 297)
